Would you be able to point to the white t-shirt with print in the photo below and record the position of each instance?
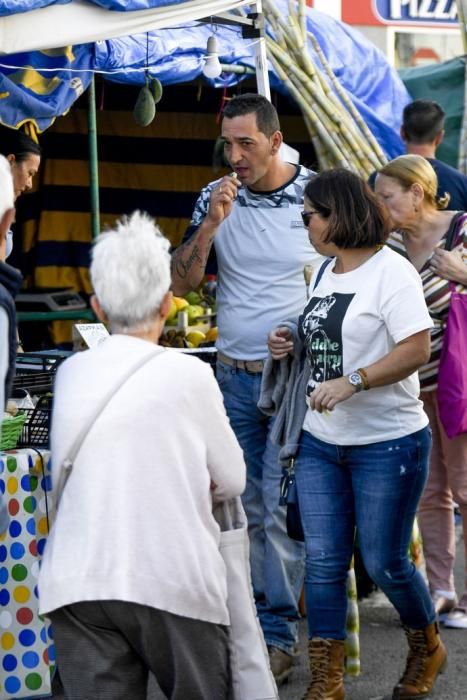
(352, 320)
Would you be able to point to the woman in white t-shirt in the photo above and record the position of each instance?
(363, 455)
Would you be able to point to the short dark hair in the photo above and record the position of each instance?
(17, 143)
(422, 121)
(356, 217)
(267, 119)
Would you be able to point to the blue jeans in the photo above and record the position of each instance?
(375, 488)
(277, 562)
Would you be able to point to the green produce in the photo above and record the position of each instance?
(145, 107)
(194, 311)
(172, 312)
(193, 298)
(156, 87)
(173, 339)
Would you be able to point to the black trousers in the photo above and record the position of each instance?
(106, 649)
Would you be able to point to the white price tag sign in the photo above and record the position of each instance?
(92, 333)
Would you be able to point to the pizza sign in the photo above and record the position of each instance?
(418, 11)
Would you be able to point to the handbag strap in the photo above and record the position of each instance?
(67, 463)
(321, 271)
(454, 227)
(229, 514)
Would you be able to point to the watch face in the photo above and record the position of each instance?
(355, 379)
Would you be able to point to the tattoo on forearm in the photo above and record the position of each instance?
(193, 253)
(183, 266)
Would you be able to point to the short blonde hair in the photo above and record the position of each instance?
(412, 169)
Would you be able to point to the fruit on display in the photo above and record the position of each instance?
(173, 311)
(190, 320)
(193, 298)
(194, 312)
(177, 304)
(195, 338)
(180, 302)
(198, 308)
(211, 335)
(173, 339)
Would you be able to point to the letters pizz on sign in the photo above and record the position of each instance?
(425, 11)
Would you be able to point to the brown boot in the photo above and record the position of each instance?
(327, 670)
(427, 657)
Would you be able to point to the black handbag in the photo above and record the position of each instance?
(288, 487)
(289, 499)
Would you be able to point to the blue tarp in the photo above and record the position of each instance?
(10, 7)
(177, 55)
(47, 91)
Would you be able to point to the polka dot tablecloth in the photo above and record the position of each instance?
(26, 648)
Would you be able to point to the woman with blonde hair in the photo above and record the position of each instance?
(408, 185)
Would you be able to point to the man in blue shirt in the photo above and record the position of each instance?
(422, 131)
(247, 227)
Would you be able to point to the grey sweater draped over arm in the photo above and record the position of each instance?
(283, 395)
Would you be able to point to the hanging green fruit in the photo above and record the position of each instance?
(145, 107)
(156, 86)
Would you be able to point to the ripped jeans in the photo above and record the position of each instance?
(376, 488)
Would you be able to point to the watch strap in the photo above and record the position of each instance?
(364, 376)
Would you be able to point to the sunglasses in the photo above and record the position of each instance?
(306, 217)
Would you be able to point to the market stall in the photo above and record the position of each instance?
(122, 42)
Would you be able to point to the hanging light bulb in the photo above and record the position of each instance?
(212, 68)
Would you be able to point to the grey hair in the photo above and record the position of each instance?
(7, 194)
(130, 272)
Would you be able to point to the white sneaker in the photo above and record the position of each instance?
(457, 619)
(443, 605)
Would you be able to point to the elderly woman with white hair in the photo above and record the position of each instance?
(132, 578)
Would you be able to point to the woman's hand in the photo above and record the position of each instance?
(280, 342)
(329, 394)
(449, 265)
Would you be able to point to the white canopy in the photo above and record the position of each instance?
(79, 22)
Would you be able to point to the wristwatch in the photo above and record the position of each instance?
(356, 379)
